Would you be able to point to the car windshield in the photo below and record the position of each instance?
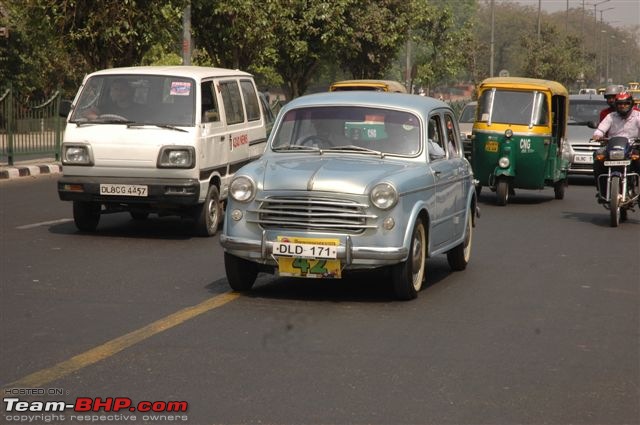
(349, 128)
(513, 107)
(138, 99)
(584, 111)
(468, 113)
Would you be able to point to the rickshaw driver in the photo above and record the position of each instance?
(624, 123)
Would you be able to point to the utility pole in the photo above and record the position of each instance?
(186, 35)
(493, 24)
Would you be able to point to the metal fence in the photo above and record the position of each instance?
(31, 129)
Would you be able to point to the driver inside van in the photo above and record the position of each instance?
(120, 101)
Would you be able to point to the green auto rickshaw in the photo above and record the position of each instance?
(518, 136)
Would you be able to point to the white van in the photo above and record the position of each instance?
(164, 140)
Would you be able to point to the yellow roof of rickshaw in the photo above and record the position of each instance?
(386, 85)
(525, 83)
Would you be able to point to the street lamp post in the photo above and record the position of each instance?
(595, 32)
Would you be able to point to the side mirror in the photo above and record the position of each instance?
(65, 108)
(592, 124)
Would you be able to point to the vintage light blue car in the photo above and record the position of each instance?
(351, 181)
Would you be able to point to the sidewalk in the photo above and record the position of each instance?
(29, 167)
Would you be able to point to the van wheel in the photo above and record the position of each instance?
(86, 215)
(458, 257)
(241, 273)
(208, 215)
(502, 192)
(408, 276)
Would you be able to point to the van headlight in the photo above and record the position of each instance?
(384, 196)
(76, 154)
(177, 157)
(242, 189)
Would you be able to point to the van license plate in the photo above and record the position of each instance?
(123, 190)
(583, 159)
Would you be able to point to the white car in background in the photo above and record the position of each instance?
(583, 109)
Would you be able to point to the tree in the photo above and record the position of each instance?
(376, 30)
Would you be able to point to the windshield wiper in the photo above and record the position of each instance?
(82, 121)
(167, 126)
(355, 148)
(296, 148)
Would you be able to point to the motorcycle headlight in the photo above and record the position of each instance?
(616, 154)
(503, 162)
(177, 157)
(384, 196)
(76, 154)
(242, 189)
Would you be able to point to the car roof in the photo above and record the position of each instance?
(412, 102)
(196, 72)
(594, 97)
(390, 85)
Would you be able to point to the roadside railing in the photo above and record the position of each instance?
(29, 129)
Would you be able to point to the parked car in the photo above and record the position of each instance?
(466, 119)
(583, 109)
(353, 181)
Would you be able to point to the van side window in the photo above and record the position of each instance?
(250, 100)
(209, 105)
(452, 137)
(232, 101)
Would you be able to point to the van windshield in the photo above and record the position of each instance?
(513, 107)
(139, 99)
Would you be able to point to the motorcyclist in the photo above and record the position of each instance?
(625, 122)
(610, 96)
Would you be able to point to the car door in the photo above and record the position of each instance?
(442, 222)
(213, 132)
(459, 167)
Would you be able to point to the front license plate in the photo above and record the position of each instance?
(123, 190)
(309, 268)
(491, 147)
(307, 257)
(583, 159)
(617, 163)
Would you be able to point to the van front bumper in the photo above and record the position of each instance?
(159, 191)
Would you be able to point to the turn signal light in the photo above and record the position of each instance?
(635, 156)
(600, 157)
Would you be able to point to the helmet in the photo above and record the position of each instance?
(611, 91)
(624, 103)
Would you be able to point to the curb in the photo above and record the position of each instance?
(28, 170)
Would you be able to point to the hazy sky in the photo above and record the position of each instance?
(615, 12)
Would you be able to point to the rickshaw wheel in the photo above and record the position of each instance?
(502, 192)
(559, 188)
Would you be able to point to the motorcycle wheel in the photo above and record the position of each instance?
(614, 202)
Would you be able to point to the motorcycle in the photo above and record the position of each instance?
(619, 186)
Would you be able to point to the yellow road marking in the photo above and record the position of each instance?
(108, 349)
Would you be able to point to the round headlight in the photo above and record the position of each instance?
(508, 133)
(503, 162)
(242, 189)
(384, 196)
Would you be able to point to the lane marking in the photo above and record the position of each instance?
(108, 349)
(44, 223)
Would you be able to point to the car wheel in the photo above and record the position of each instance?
(459, 257)
(408, 276)
(86, 215)
(559, 188)
(502, 192)
(209, 214)
(614, 202)
(241, 273)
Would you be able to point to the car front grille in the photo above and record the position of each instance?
(312, 213)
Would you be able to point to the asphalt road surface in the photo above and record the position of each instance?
(541, 328)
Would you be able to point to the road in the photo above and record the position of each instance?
(542, 327)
